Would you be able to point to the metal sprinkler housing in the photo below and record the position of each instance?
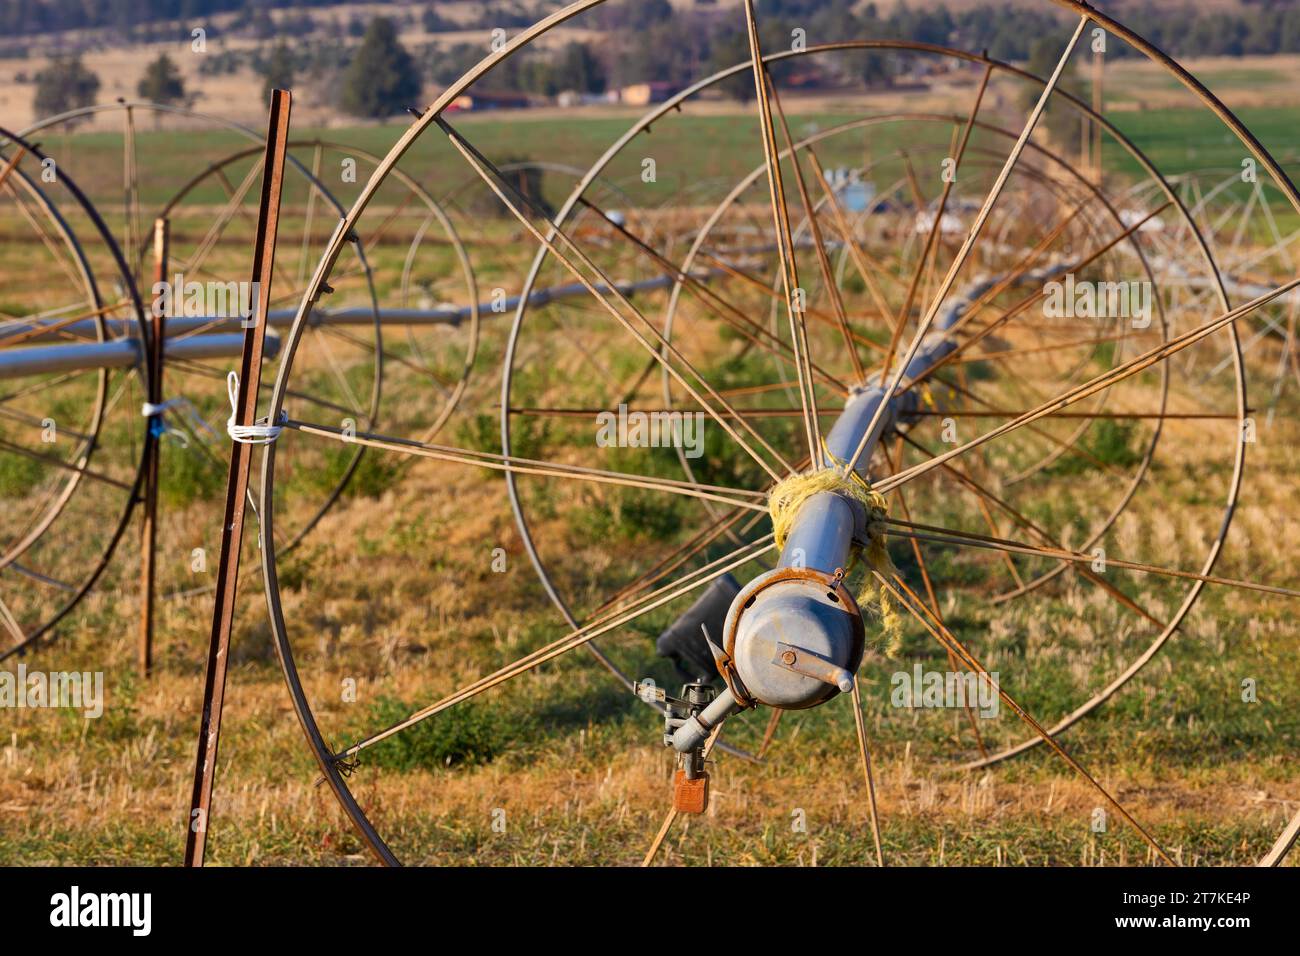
(794, 636)
(798, 646)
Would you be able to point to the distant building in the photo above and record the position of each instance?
(571, 98)
(477, 102)
(854, 194)
(643, 94)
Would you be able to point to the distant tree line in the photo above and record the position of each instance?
(650, 40)
(1006, 31)
(43, 16)
(66, 84)
(642, 40)
(25, 17)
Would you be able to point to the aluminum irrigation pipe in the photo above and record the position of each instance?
(790, 602)
(118, 353)
(792, 599)
(188, 326)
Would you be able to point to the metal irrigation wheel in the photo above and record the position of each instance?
(71, 438)
(352, 363)
(673, 554)
(1250, 228)
(987, 501)
(210, 204)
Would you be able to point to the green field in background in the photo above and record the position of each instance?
(687, 149)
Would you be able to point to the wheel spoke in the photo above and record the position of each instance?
(529, 466)
(864, 755)
(574, 639)
(1003, 355)
(905, 310)
(1064, 446)
(986, 495)
(894, 461)
(868, 267)
(423, 370)
(131, 193)
(29, 419)
(676, 558)
(63, 465)
(976, 228)
(206, 371)
(46, 328)
(310, 215)
(1020, 307)
(1024, 264)
(950, 536)
(1284, 843)
(823, 260)
(784, 241)
(233, 204)
(1099, 383)
(732, 313)
(481, 166)
(38, 226)
(765, 289)
(11, 624)
(688, 550)
(340, 378)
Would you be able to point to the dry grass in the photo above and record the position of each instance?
(395, 590)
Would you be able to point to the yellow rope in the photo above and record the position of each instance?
(788, 497)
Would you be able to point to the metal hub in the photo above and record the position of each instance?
(800, 645)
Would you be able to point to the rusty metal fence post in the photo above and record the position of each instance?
(241, 454)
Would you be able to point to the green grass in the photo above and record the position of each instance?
(395, 592)
(733, 148)
(469, 735)
(1184, 140)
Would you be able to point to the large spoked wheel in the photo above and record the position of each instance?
(210, 204)
(71, 437)
(210, 219)
(1249, 226)
(748, 287)
(347, 364)
(963, 500)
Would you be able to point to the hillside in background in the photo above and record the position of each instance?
(224, 51)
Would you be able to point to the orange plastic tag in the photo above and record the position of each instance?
(690, 796)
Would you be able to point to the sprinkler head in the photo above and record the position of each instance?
(795, 638)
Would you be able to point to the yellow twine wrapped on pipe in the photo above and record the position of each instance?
(788, 497)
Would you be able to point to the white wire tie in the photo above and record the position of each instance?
(256, 434)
